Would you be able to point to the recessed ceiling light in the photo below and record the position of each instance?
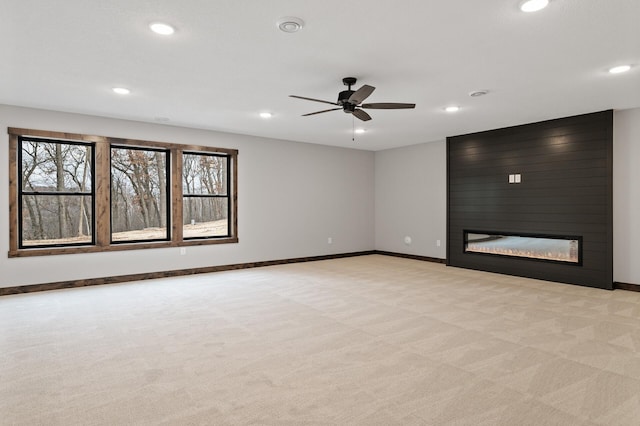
(360, 131)
(533, 5)
(266, 115)
(452, 108)
(290, 24)
(619, 69)
(121, 90)
(162, 29)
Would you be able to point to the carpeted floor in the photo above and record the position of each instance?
(371, 340)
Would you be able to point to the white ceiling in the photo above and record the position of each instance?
(227, 62)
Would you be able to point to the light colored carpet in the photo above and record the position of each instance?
(371, 340)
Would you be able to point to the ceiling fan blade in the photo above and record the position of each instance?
(320, 112)
(361, 94)
(314, 100)
(362, 115)
(387, 105)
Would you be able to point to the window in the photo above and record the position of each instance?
(205, 191)
(56, 193)
(73, 193)
(139, 194)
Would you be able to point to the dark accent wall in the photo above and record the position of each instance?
(566, 189)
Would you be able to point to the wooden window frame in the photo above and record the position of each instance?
(227, 195)
(102, 198)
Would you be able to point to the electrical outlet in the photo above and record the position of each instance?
(407, 240)
(183, 251)
(329, 240)
(437, 243)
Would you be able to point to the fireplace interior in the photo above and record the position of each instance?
(566, 249)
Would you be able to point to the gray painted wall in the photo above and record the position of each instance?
(292, 197)
(411, 197)
(626, 196)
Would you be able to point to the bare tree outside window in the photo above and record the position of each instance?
(138, 194)
(76, 193)
(56, 192)
(205, 189)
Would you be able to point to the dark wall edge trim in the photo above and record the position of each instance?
(32, 288)
(626, 286)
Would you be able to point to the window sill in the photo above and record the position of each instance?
(49, 251)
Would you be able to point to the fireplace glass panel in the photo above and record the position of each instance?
(550, 248)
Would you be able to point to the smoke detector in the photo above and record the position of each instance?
(290, 24)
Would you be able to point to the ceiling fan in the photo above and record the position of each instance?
(350, 101)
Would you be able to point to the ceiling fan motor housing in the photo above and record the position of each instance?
(348, 107)
(343, 97)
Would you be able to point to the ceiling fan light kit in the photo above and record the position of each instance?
(350, 101)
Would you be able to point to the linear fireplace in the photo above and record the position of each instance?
(549, 248)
